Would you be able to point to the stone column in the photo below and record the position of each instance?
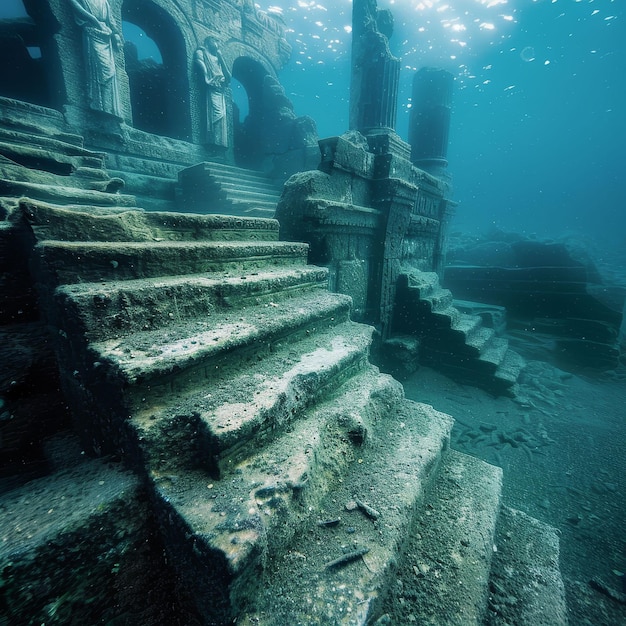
(375, 71)
(429, 124)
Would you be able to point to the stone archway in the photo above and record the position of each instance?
(159, 92)
(30, 69)
(248, 132)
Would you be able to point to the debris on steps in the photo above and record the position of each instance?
(341, 564)
(191, 356)
(283, 470)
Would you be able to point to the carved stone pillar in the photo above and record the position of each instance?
(429, 124)
(375, 71)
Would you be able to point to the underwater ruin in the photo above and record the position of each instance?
(205, 317)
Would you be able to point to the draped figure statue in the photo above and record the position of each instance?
(100, 41)
(216, 77)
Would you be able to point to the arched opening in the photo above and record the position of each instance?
(146, 74)
(157, 70)
(248, 77)
(25, 42)
(240, 101)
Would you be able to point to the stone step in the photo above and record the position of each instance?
(252, 197)
(210, 177)
(446, 318)
(479, 340)
(227, 171)
(444, 576)
(466, 326)
(509, 369)
(251, 208)
(472, 343)
(114, 224)
(36, 121)
(462, 345)
(497, 379)
(248, 519)
(235, 414)
(60, 144)
(123, 307)
(338, 573)
(226, 189)
(221, 187)
(492, 315)
(152, 355)
(422, 284)
(93, 510)
(439, 299)
(250, 185)
(526, 587)
(495, 351)
(64, 194)
(80, 261)
(40, 158)
(57, 174)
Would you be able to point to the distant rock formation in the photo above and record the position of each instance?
(550, 289)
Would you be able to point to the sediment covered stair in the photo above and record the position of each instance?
(221, 188)
(285, 471)
(456, 343)
(210, 355)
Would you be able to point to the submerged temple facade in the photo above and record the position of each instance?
(194, 429)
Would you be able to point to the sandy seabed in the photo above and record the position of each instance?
(560, 443)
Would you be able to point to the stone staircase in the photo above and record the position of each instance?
(287, 480)
(456, 343)
(52, 165)
(47, 163)
(291, 481)
(226, 189)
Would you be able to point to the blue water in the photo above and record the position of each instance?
(538, 129)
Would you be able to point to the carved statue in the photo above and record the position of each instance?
(100, 43)
(216, 77)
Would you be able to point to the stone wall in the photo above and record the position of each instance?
(104, 93)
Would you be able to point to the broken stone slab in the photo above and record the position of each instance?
(446, 568)
(509, 369)
(526, 587)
